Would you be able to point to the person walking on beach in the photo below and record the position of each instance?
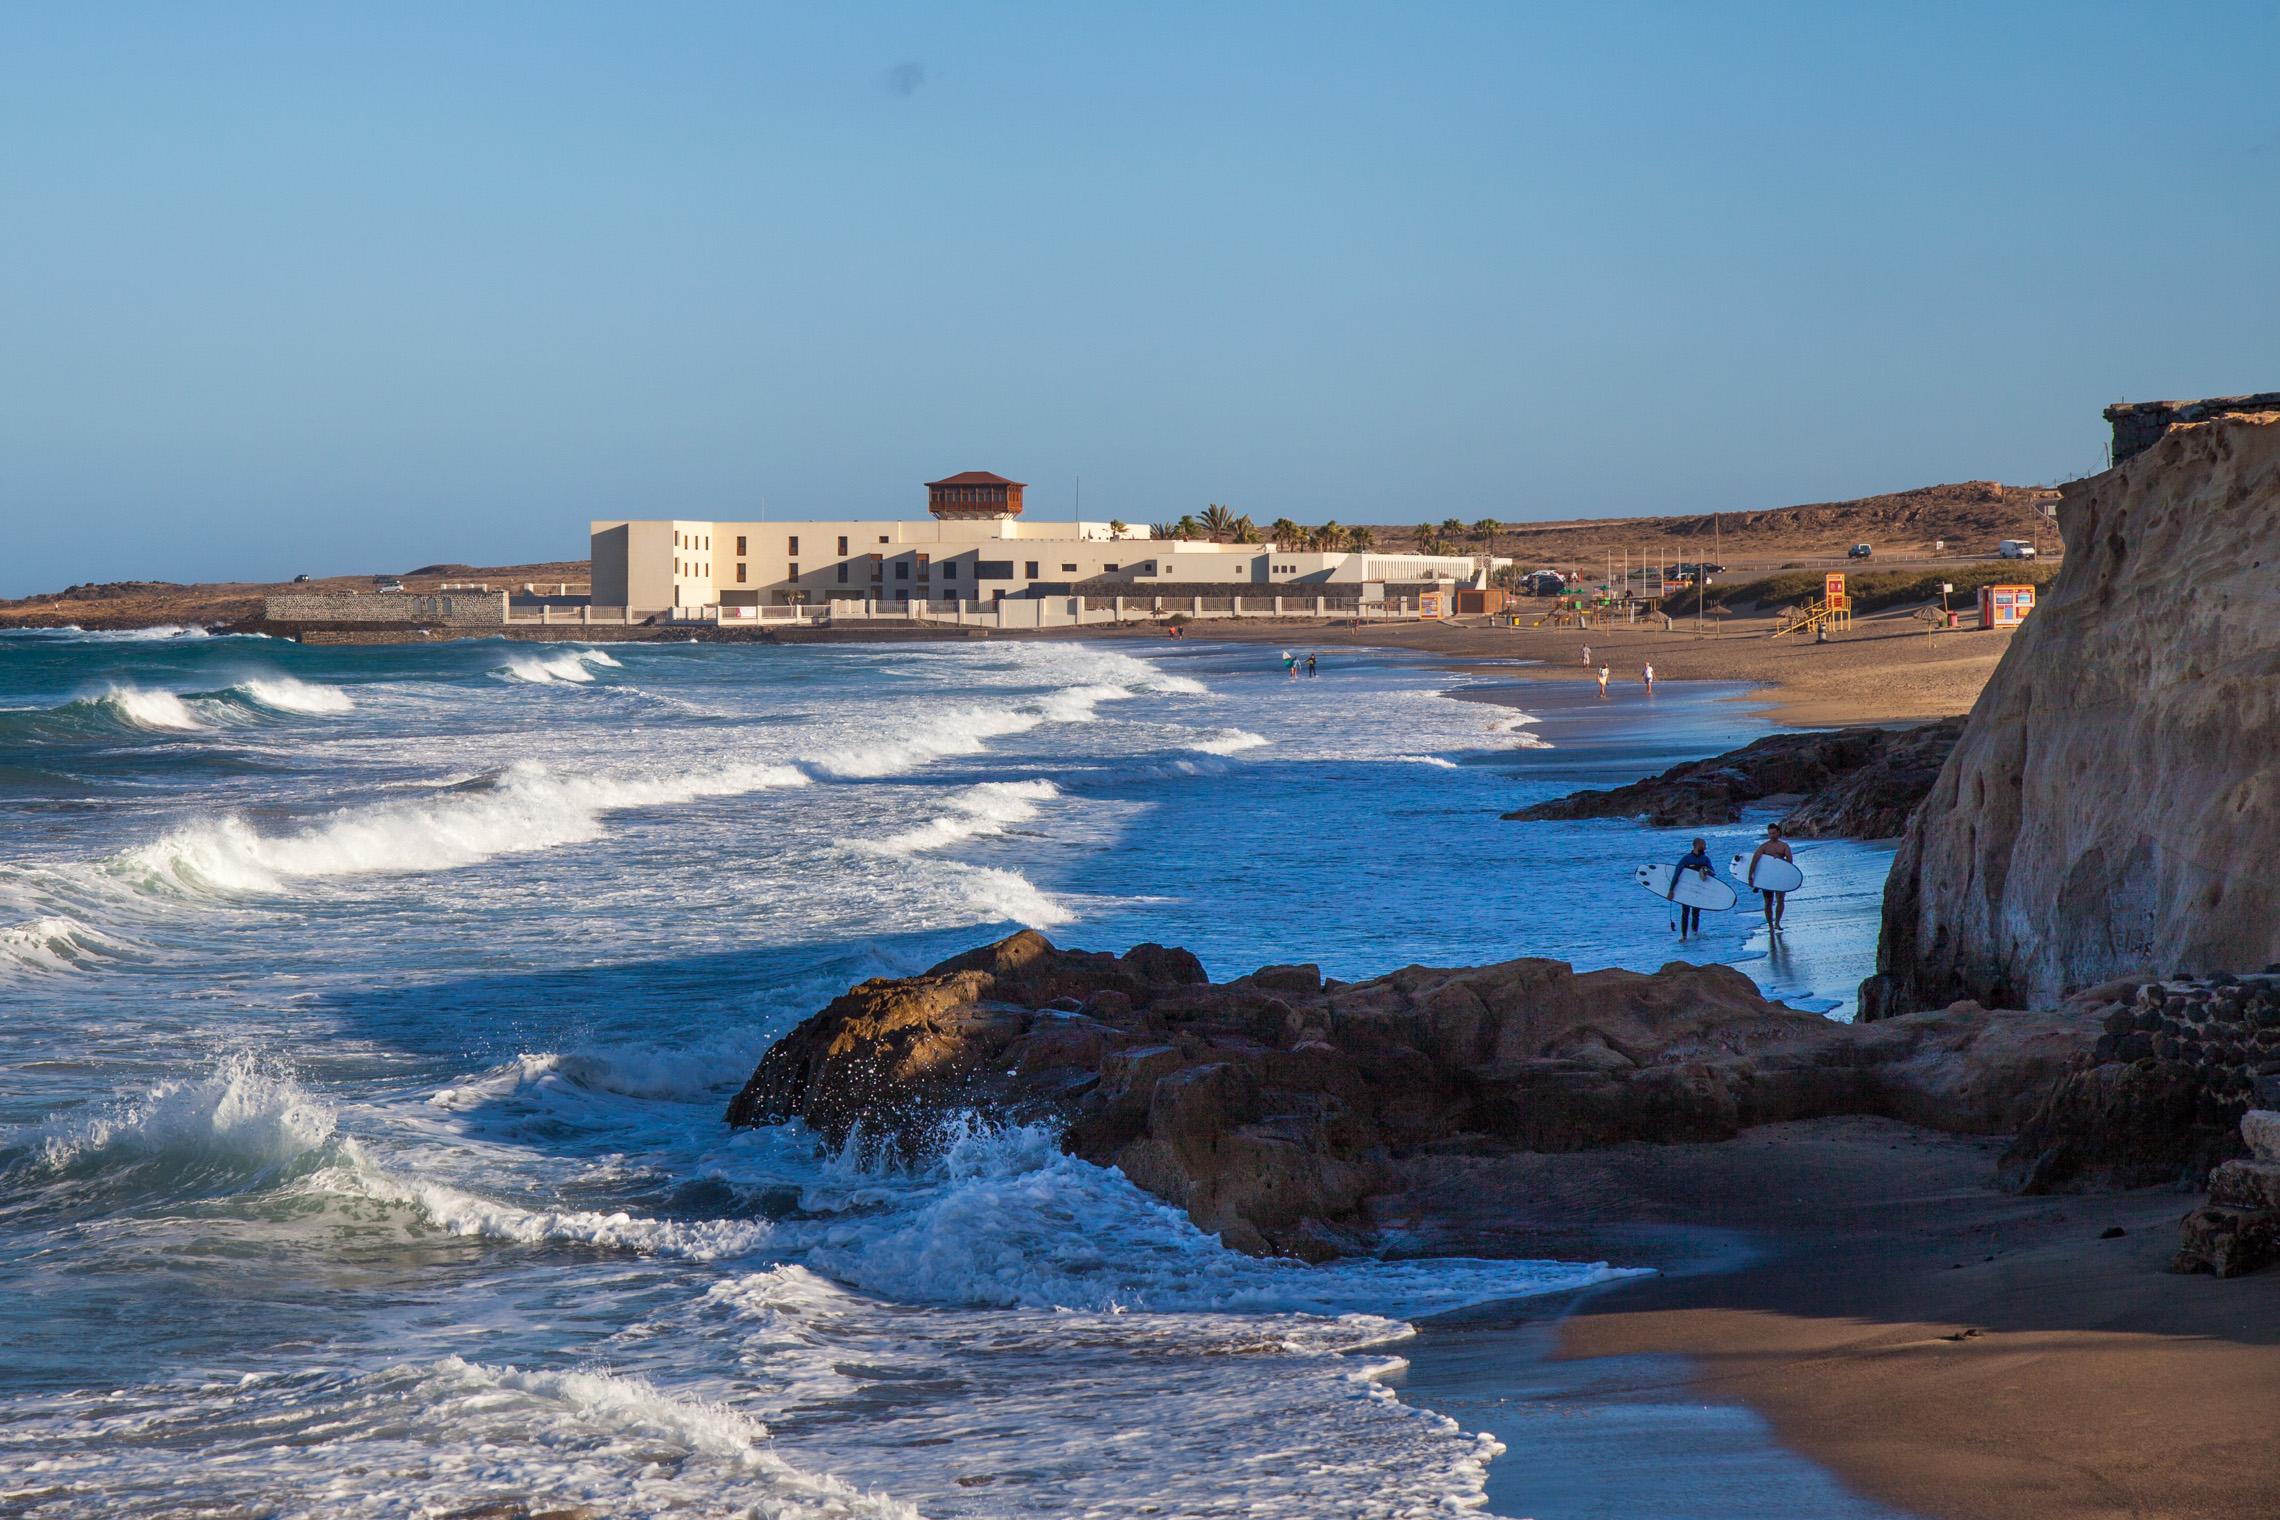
(1648, 675)
(1290, 665)
(1587, 656)
(1778, 848)
(1310, 667)
(1697, 859)
(1603, 680)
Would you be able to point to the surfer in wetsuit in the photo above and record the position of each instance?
(1690, 919)
(1778, 848)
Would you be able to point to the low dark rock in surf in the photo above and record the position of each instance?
(1855, 783)
(1275, 1107)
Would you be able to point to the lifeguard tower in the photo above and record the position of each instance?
(2005, 606)
(1833, 610)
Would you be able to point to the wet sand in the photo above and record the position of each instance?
(1888, 669)
(1925, 1343)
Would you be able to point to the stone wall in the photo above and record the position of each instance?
(2139, 425)
(449, 609)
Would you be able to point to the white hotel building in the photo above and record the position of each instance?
(972, 547)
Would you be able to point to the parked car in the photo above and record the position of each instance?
(2015, 548)
(386, 583)
(300, 580)
(1859, 551)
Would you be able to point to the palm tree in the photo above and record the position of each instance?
(1434, 542)
(1486, 530)
(1187, 527)
(1116, 527)
(1164, 530)
(1452, 527)
(1219, 522)
(1360, 539)
(1331, 535)
(1300, 537)
(1284, 532)
(1247, 531)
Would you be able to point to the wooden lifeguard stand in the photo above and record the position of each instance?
(1833, 610)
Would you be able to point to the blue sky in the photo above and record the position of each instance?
(333, 288)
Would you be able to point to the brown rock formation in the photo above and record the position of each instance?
(1857, 783)
(1271, 1107)
(2114, 806)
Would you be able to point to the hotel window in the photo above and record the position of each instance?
(994, 570)
(1068, 569)
(949, 570)
(843, 543)
(882, 538)
(843, 569)
(1029, 569)
(740, 549)
(740, 572)
(795, 545)
(902, 570)
(1108, 569)
(878, 568)
(792, 571)
(923, 568)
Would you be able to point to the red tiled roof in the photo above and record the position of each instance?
(973, 478)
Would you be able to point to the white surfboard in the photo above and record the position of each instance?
(1773, 874)
(1695, 890)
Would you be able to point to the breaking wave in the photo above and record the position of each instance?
(284, 694)
(574, 668)
(977, 812)
(56, 943)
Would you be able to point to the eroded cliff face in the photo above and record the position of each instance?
(2114, 804)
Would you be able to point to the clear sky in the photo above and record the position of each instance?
(340, 288)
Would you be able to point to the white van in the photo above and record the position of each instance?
(2014, 548)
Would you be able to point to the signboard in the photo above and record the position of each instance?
(1833, 590)
(1432, 604)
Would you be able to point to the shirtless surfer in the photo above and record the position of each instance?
(1778, 847)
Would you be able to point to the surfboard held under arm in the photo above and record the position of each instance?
(1694, 889)
(1773, 874)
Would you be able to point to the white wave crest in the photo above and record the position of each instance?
(287, 695)
(1436, 761)
(1002, 896)
(1228, 741)
(242, 1116)
(56, 943)
(978, 812)
(573, 668)
(530, 807)
(457, 1212)
(157, 711)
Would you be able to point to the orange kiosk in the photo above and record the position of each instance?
(2005, 606)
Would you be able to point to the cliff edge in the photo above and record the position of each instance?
(2113, 807)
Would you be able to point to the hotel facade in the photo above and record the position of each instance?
(973, 547)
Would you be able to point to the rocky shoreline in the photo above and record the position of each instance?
(1277, 1107)
(1849, 783)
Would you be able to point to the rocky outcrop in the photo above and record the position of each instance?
(1856, 783)
(2113, 806)
(2239, 1229)
(1271, 1107)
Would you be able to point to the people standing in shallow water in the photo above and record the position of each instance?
(1603, 673)
(1647, 675)
(1698, 859)
(1778, 848)
(1310, 667)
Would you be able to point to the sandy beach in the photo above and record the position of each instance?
(1887, 669)
(1939, 1346)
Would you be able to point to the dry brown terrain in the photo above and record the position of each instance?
(1971, 517)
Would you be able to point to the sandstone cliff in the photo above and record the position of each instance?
(1272, 1108)
(2114, 804)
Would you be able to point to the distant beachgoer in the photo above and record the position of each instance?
(1648, 675)
(1310, 667)
(1698, 859)
(1603, 680)
(1587, 654)
(1778, 848)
